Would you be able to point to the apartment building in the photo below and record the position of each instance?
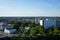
(46, 23)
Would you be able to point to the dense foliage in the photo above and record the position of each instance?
(35, 30)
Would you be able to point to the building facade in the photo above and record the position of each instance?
(49, 23)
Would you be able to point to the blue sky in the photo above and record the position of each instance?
(29, 7)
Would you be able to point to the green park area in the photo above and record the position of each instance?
(34, 31)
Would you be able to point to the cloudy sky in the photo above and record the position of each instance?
(29, 7)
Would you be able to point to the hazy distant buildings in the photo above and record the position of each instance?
(49, 22)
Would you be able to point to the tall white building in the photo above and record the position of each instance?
(41, 22)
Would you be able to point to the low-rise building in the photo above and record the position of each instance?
(4, 25)
(9, 30)
(27, 28)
